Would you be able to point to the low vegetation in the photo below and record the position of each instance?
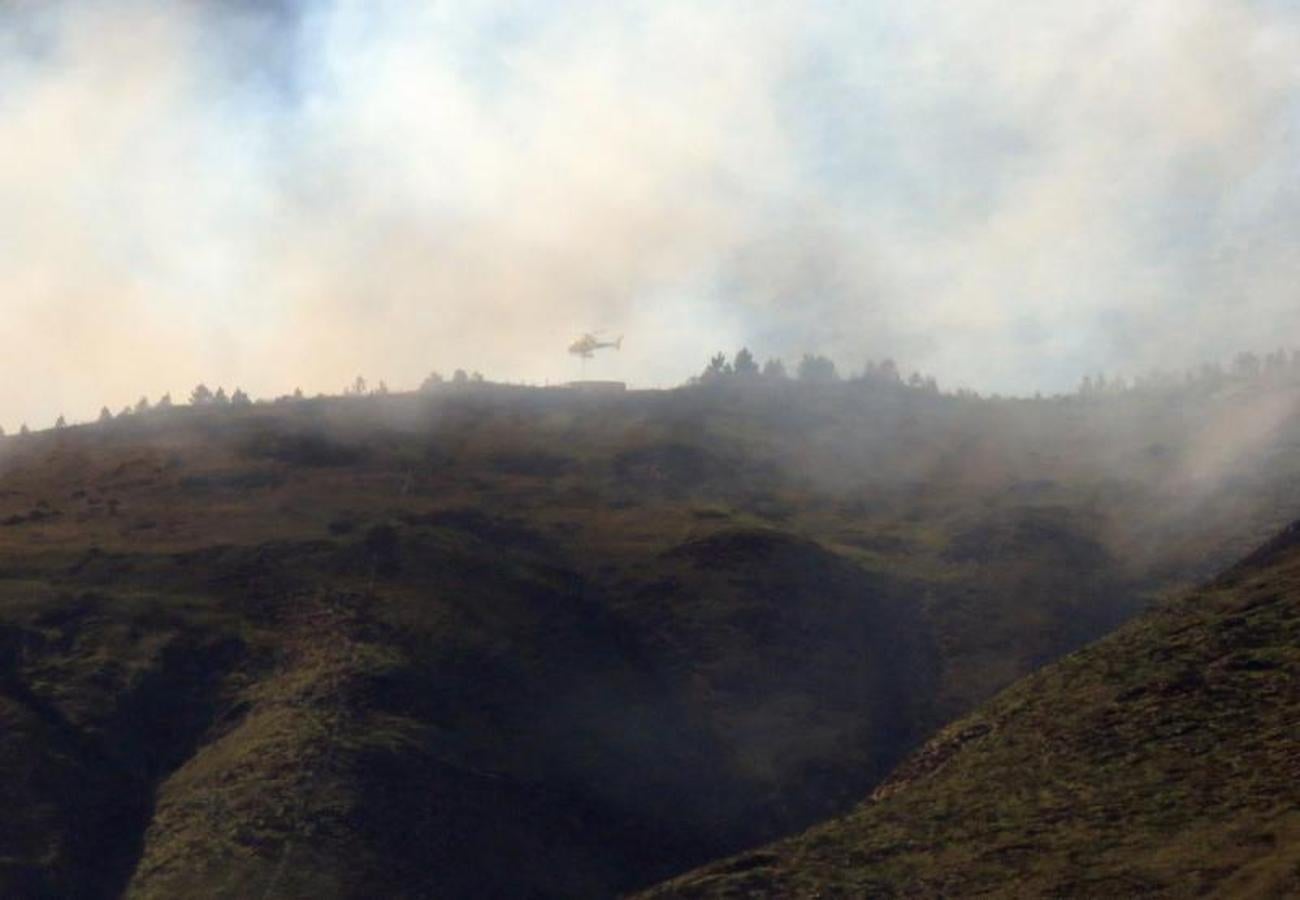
(376, 644)
(1160, 762)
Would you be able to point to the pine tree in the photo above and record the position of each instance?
(744, 363)
(817, 369)
(717, 367)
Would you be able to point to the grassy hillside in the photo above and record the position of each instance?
(1164, 760)
(376, 645)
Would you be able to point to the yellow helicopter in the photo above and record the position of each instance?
(588, 344)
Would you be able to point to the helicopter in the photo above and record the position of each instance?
(588, 344)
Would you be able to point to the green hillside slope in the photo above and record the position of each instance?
(375, 646)
(1163, 761)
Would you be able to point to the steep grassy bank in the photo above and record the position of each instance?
(1163, 761)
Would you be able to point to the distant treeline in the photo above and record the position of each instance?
(1245, 370)
(813, 368)
(1278, 367)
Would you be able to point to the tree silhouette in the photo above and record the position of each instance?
(239, 398)
(297, 393)
(105, 414)
(744, 363)
(200, 396)
(24, 429)
(165, 401)
(1275, 363)
(774, 368)
(817, 369)
(142, 405)
(717, 367)
(459, 377)
(60, 422)
(431, 383)
(1246, 365)
(220, 398)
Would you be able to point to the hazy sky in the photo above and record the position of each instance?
(1006, 193)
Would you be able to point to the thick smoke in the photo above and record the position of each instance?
(1007, 194)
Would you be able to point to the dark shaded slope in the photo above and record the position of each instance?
(606, 639)
(397, 711)
(348, 774)
(95, 709)
(816, 674)
(1164, 760)
(484, 704)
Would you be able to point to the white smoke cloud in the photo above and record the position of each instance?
(1005, 193)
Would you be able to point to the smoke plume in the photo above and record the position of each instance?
(1007, 194)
